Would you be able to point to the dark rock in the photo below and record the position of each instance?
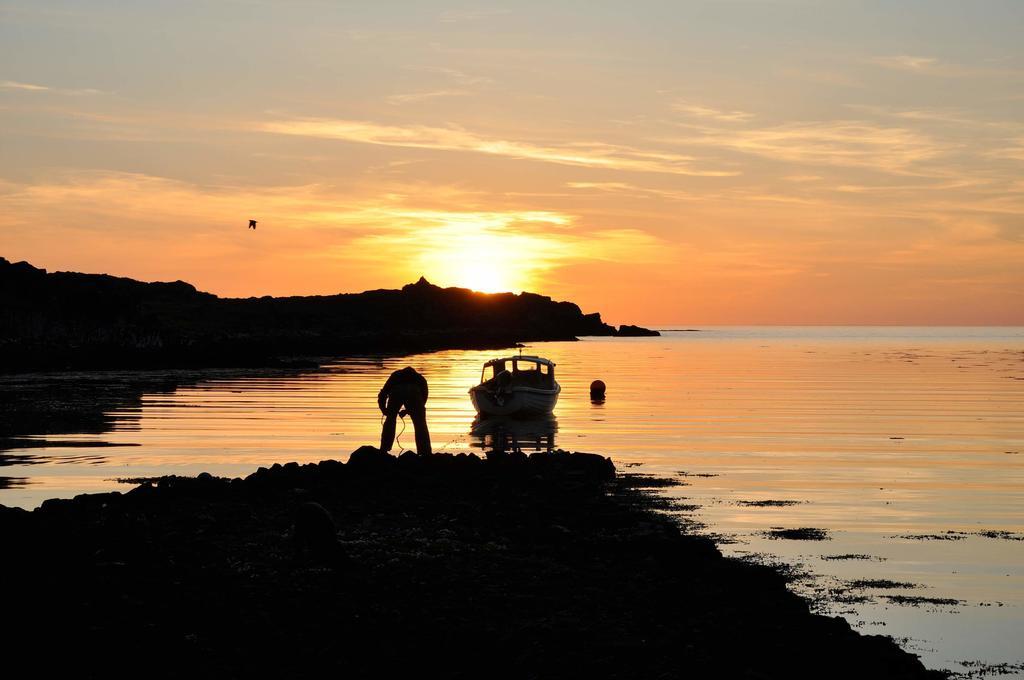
(314, 528)
(627, 331)
(370, 458)
(588, 466)
(534, 567)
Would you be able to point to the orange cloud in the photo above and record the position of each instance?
(708, 112)
(837, 143)
(592, 155)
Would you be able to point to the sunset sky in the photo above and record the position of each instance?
(697, 162)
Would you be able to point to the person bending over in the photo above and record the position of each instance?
(405, 389)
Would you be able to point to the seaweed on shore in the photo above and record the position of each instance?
(639, 480)
(999, 534)
(951, 535)
(984, 669)
(881, 584)
(917, 600)
(135, 481)
(801, 534)
(644, 495)
(948, 536)
(789, 571)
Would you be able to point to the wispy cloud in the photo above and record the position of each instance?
(1014, 150)
(584, 154)
(820, 76)
(14, 85)
(933, 66)
(935, 115)
(833, 143)
(905, 62)
(413, 97)
(602, 186)
(635, 190)
(701, 111)
(457, 76)
(34, 87)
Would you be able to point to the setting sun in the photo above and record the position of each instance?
(476, 272)
(484, 262)
(488, 252)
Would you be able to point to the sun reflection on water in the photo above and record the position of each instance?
(870, 438)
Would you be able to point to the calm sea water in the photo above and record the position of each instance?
(878, 436)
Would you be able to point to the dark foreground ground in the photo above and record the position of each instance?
(447, 566)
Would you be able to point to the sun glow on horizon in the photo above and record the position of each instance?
(474, 271)
(488, 252)
(695, 162)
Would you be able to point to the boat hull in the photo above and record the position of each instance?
(520, 402)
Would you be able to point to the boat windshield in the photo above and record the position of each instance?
(527, 372)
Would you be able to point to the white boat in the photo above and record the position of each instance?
(520, 387)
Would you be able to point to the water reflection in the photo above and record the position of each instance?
(12, 482)
(878, 433)
(69, 418)
(505, 435)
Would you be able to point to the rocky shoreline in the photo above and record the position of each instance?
(72, 321)
(543, 566)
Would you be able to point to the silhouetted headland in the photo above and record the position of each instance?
(546, 566)
(52, 321)
(629, 331)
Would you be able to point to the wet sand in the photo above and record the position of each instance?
(545, 566)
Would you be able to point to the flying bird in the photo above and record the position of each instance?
(252, 224)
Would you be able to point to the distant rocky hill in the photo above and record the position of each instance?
(69, 320)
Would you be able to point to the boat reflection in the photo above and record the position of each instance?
(499, 434)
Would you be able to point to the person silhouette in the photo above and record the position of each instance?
(405, 391)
